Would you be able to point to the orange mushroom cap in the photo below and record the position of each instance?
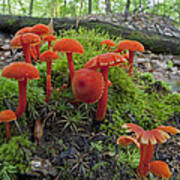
(20, 71)
(68, 45)
(7, 116)
(87, 85)
(28, 38)
(153, 136)
(126, 140)
(40, 29)
(160, 169)
(23, 31)
(49, 37)
(107, 59)
(169, 129)
(48, 56)
(108, 42)
(129, 45)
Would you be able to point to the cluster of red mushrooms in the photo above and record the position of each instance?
(30, 38)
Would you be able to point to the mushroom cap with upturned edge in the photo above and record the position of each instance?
(108, 42)
(48, 56)
(69, 46)
(7, 116)
(155, 136)
(160, 169)
(129, 45)
(20, 71)
(107, 59)
(28, 38)
(88, 85)
(40, 29)
(23, 31)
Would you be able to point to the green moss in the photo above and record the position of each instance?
(14, 157)
(128, 103)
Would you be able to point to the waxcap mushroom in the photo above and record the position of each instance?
(7, 116)
(131, 46)
(23, 31)
(48, 56)
(104, 62)
(40, 29)
(160, 169)
(68, 45)
(28, 38)
(20, 71)
(87, 85)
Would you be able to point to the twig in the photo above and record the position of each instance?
(9, 107)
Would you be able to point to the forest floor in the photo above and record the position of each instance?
(74, 145)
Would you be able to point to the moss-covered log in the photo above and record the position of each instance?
(153, 41)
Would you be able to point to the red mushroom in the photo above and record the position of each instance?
(108, 44)
(48, 56)
(41, 30)
(131, 46)
(49, 38)
(147, 141)
(69, 46)
(23, 31)
(160, 169)
(25, 41)
(104, 61)
(87, 85)
(22, 72)
(7, 116)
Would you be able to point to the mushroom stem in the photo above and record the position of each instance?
(22, 98)
(131, 56)
(48, 81)
(70, 65)
(49, 44)
(33, 53)
(8, 134)
(26, 49)
(38, 50)
(146, 154)
(102, 104)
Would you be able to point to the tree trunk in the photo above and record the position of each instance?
(108, 6)
(151, 40)
(22, 6)
(9, 7)
(31, 8)
(90, 7)
(126, 13)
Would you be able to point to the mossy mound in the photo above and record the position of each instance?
(71, 129)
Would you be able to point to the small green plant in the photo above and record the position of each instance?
(15, 157)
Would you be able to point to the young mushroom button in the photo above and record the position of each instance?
(22, 72)
(69, 46)
(87, 85)
(108, 43)
(104, 62)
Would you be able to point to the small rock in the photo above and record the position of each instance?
(7, 54)
(6, 47)
(142, 60)
(154, 56)
(176, 62)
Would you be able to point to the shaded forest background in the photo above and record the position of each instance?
(74, 8)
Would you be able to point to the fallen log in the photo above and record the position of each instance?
(152, 41)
